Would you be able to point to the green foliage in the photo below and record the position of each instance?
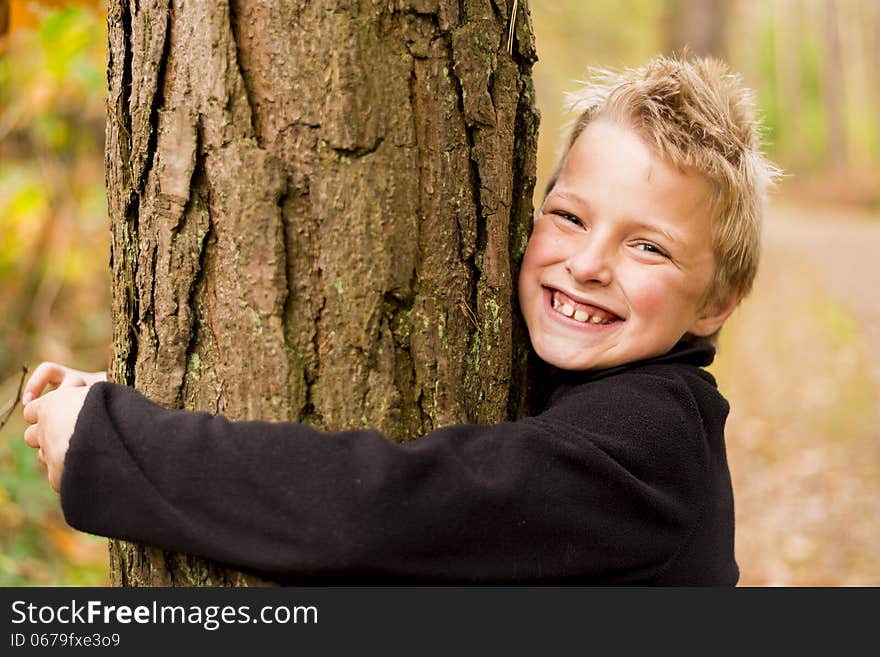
(54, 278)
(53, 221)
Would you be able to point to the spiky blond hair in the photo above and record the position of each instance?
(699, 116)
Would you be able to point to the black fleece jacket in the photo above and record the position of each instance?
(622, 479)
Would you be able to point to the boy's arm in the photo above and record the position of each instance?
(524, 501)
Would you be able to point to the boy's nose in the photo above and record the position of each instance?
(591, 264)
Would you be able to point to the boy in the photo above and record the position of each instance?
(647, 240)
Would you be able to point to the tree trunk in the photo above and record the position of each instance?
(832, 89)
(317, 213)
(697, 24)
(788, 43)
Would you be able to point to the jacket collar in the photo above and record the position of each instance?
(551, 382)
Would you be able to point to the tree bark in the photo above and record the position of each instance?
(317, 212)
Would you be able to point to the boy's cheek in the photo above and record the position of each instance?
(537, 256)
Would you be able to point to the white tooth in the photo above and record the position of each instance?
(555, 302)
(581, 315)
(596, 319)
(567, 309)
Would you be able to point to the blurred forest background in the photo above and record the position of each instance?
(795, 360)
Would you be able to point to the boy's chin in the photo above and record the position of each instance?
(583, 360)
(565, 360)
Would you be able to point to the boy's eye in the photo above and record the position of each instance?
(651, 248)
(567, 217)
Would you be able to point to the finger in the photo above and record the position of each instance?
(32, 436)
(54, 479)
(45, 374)
(95, 377)
(31, 412)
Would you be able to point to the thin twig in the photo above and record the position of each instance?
(511, 29)
(467, 312)
(118, 120)
(9, 407)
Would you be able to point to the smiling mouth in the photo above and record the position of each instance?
(580, 312)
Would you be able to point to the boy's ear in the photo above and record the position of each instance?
(714, 314)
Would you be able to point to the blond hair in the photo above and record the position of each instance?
(698, 116)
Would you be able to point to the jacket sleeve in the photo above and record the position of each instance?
(529, 501)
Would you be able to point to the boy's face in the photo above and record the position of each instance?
(620, 258)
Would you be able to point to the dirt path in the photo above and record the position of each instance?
(799, 364)
(843, 249)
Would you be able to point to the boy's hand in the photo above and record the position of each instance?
(52, 418)
(58, 376)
